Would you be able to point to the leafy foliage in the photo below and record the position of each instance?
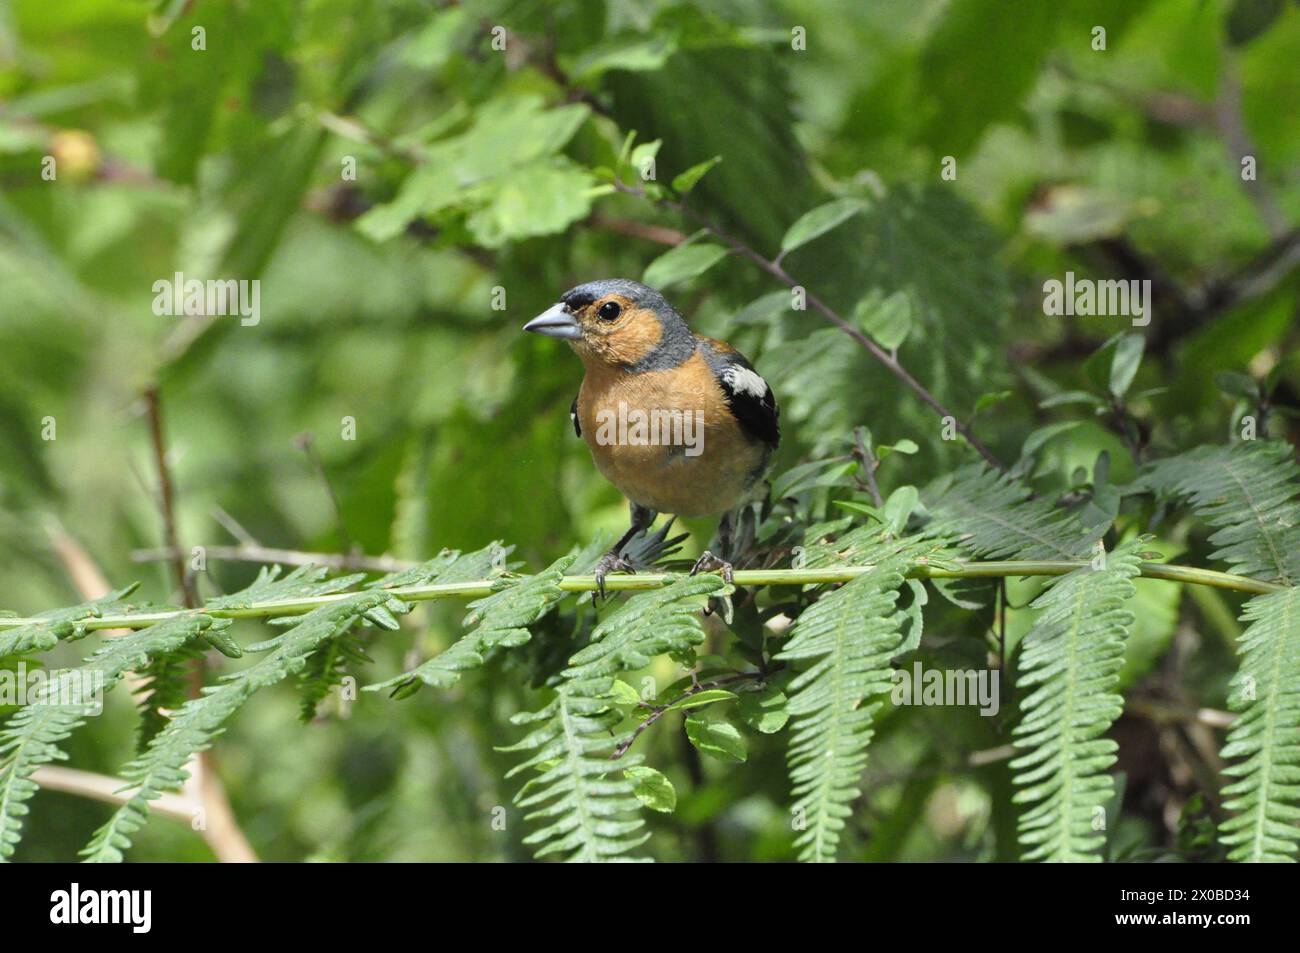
(1248, 492)
(409, 182)
(1266, 689)
(1070, 664)
(31, 737)
(852, 634)
(589, 809)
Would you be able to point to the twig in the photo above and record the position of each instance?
(102, 787)
(642, 581)
(631, 227)
(870, 463)
(167, 498)
(307, 444)
(775, 268)
(1164, 713)
(254, 553)
(658, 711)
(233, 527)
(220, 827)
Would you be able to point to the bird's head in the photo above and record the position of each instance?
(617, 322)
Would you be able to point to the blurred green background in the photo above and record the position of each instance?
(479, 168)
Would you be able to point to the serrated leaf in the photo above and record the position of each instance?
(652, 788)
(717, 739)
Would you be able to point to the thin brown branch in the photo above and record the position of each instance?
(167, 498)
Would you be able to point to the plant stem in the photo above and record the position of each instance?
(643, 581)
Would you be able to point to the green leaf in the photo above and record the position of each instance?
(899, 446)
(717, 739)
(1040, 436)
(683, 183)
(765, 711)
(819, 221)
(682, 264)
(1237, 385)
(1072, 397)
(634, 52)
(1249, 18)
(621, 693)
(702, 699)
(652, 788)
(899, 507)
(1124, 365)
(888, 321)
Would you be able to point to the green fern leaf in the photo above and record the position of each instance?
(1069, 665)
(499, 620)
(998, 519)
(1248, 491)
(589, 809)
(32, 735)
(161, 767)
(1266, 689)
(59, 624)
(852, 632)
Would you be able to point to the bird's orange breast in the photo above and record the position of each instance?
(666, 438)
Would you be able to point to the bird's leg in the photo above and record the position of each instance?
(613, 560)
(711, 563)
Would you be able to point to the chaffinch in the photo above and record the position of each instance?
(680, 423)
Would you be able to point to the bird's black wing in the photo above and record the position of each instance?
(573, 415)
(748, 395)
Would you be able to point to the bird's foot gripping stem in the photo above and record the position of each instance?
(612, 561)
(711, 563)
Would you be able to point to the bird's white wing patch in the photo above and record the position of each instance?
(744, 381)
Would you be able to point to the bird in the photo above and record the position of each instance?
(679, 423)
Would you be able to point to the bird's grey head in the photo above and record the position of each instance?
(619, 322)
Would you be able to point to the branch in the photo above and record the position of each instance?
(658, 711)
(640, 582)
(253, 553)
(774, 267)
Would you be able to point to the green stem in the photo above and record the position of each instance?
(642, 581)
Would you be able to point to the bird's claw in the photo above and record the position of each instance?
(711, 563)
(610, 562)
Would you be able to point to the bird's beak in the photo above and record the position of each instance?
(556, 322)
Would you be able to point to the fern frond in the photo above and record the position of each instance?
(1248, 492)
(166, 686)
(588, 807)
(852, 632)
(32, 735)
(1070, 663)
(161, 767)
(59, 624)
(305, 581)
(1266, 689)
(997, 518)
(499, 620)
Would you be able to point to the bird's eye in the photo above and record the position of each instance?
(609, 311)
